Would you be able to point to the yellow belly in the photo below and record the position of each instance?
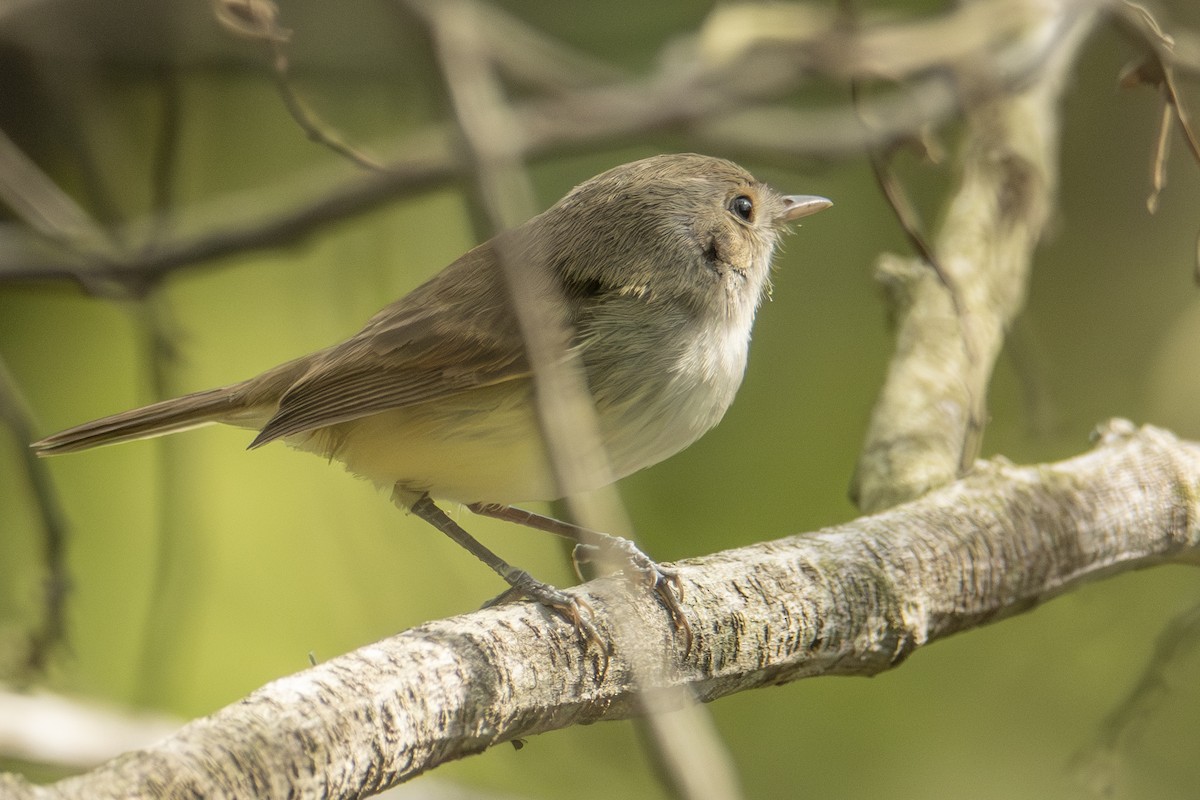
(484, 445)
(479, 446)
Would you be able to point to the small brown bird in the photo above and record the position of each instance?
(661, 265)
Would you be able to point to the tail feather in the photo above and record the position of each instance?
(168, 416)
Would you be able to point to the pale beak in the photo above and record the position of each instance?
(796, 206)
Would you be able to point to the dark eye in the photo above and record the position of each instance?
(742, 206)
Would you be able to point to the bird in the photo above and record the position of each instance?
(658, 268)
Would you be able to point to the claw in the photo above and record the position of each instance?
(665, 582)
(588, 545)
(669, 588)
(509, 595)
(576, 611)
(583, 555)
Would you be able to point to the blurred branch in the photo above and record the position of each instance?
(16, 416)
(951, 322)
(1157, 69)
(45, 728)
(687, 746)
(524, 54)
(135, 273)
(258, 20)
(856, 599)
(315, 128)
(163, 167)
(729, 86)
(1098, 766)
(38, 201)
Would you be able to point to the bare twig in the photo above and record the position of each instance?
(515, 47)
(1098, 766)
(705, 97)
(688, 748)
(1157, 69)
(41, 204)
(313, 126)
(258, 20)
(135, 274)
(15, 414)
(166, 150)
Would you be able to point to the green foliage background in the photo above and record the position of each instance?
(202, 571)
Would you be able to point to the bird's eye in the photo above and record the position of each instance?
(742, 206)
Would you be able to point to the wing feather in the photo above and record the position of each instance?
(435, 342)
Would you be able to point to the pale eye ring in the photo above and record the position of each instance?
(743, 207)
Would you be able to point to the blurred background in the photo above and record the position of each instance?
(199, 571)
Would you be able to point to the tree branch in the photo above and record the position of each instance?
(699, 88)
(951, 321)
(856, 599)
(692, 757)
(51, 630)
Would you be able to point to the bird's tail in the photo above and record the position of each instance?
(168, 416)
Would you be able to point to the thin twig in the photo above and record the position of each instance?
(687, 745)
(1158, 69)
(134, 274)
(313, 126)
(51, 632)
(163, 165)
(258, 21)
(1097, 766)
(708, 101)
(39, 202)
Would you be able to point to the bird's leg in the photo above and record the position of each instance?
(574, 610)
(666, 582)
(587, 542)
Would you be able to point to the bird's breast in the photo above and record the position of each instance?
(663, 392)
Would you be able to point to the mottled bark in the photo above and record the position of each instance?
(855, 599)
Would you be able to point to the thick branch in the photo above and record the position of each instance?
(856, 599)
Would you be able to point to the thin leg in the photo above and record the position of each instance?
(666, 582)
(573, 609)
(538, 521)
(587, 542)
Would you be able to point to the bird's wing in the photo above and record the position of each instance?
(455, 333)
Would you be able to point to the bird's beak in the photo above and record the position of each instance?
(796, 206)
